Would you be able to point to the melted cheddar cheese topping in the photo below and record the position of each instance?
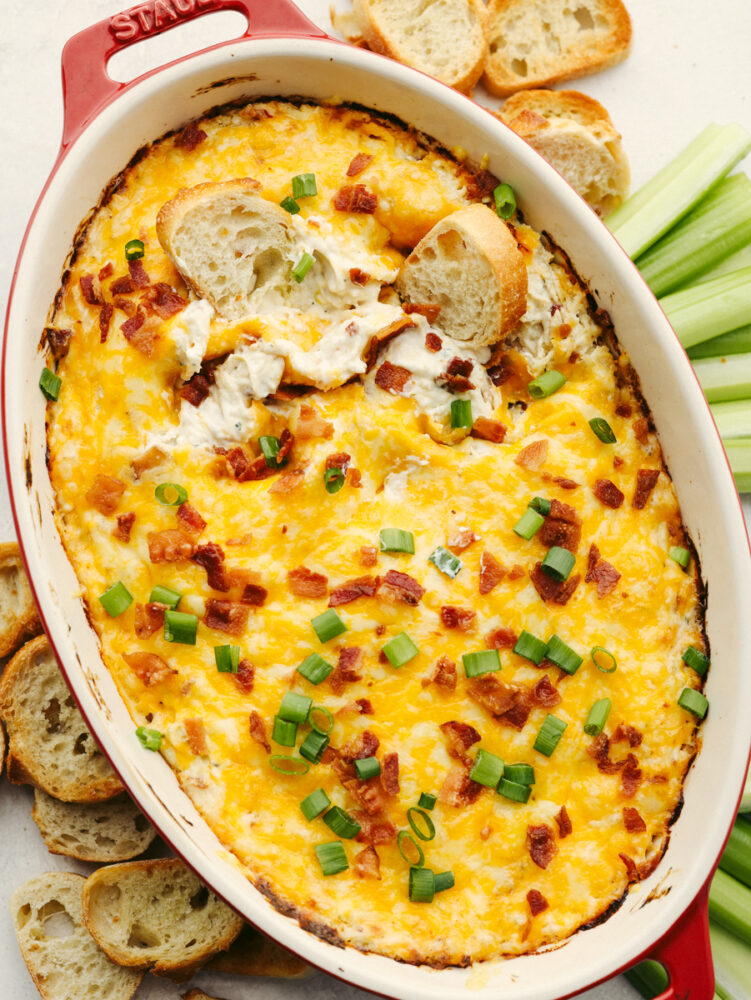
(122, 414)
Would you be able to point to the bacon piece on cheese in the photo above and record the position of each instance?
(105, 494)
(164, 300)
(124, 526)
(549, 589)
(433, 342)
(458, 789)
(491, 572)
(563, 822)
(258, 731)
(545, 694)
(149, 668)
(58, 340)
(608, 493)
(541, 844)
(627, 734)
(461, 539)
(91, 290)
(601, 572)
(536, 901)
(456, 377)
(211, 557)
(360, 747)
(304, 582)
(355, 198)
(562, 527)
(633, 821)
(392, 378)
(459, 736)
(368, 555)
(253, 594)
(288, 480)
(501, 638)
(631, 776)
(170, 545)
(367, 864)
(105, 319)
(401, 587)
(196, 733)
(390, 773)
(533, 456)
(346, 670)
(149, 618)
(226, 616)
(508, 704)
(442, 673)
(358, 163)
(150, 459)
(189, 518)
(375, 828)
(463, 619)
(123, 286)
(190, 137)
(646, 480)
(488, 430)
(245, 676)
(138, 273)
(310, 424)
(345, 593)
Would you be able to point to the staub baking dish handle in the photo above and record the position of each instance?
(87, 87)
(686, 953)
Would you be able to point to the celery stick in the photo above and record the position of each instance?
(710, 308)
(736, 342)
(739, 455)
(713, 230)
(732, 964)
(730, 905)
(654, 208)
(733, 419)
(649, 978)
(725, 378)
(736, 858)
(742, 258)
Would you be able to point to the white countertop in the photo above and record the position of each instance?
(689, 65)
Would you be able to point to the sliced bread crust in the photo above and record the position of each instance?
(535, 43)
(469, 264)
(92, 831)
(253, 954)
(18, 614)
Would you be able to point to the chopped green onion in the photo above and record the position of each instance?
(710, 308)
(367, 767)
(302, 267)
(693, 701)
(695, 659)
(427, 800)
(304, 186)
(604, 660)
(445, 561)
(485, 661)
(342, 824)
(529, 523)
(318, 726)
(403, 837)
(521, 774)
(328, 625)
(290, 205)
(396, 540)
(292, 767)
(134, 249)
(179, 626)
(563, 656)
(116, 599)
(550, 733)
(171, 494)
(269, 446)
(227, 659)
(602, 429)
(546, 384)
(514, 790)
(313, 745)
(315, 669)
(443, 881)
(333, 479)
(295, 707)
(424, 828)
(487, 769)
(150, 739)
(50, 384)
(165, 595)
(541, 505)
(725, 378)
(400, 650)
(598, 716)
(421, 885)
(314, 804)
(505, 201)
(461, 413)
(332, 857)
(284, 732)
(531, 648)
(680, 555)
(558, 563)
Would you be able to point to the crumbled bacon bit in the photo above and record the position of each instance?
(105, 319)
(627, 734)
(481, 184)
(358, 277)
(463, 619)
(566, 484)
(196, 389)
(355, 198)
(559, 592)
(106, 271)
(502, 371)
(189, 518)
(507, 704)
(402, 587)
(124, 526)
(346, 670)
(360, 706)
(311, 425)
(226, 616)
(501, 638)
(641, 430)
(358, 163)
(646, 480)
(288, 480)
(537, 902)
(142, 339)
(456, 377)
(211, 558)
(128, 306)
(360, 747)
(491, 572)
(196, 733)
(340, 460)
(254, 594)
(304, 582)
(258, 731)
(631, 870)
(123, 286)
(460, 736)
(442, 673)
(170, 545)
(562, 527)
(516, 572)
(58, 340)
(392, 378)
(375, 827)
(138, 273)
(105, 494)
(345, 593)
(245, 676)
(599, 749)
(461, 539)
(533, 456)
(623, 410)
(431, 314)
(563, 822)
(458, 789)
(601, 572)
(633, 821)
(149, 618)
(488, 430)
(608, 493)
(246, 469)
(545, 694)
(149, 668)
(91, 290)
(367, 864)
(433, 342)
(617, 461)
(541, 845)
(390, 774)
(631, 776)
(368, 555)
(190, 137)
(164, 300)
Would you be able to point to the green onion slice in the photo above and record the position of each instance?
(520, 774)
(427, 800)
(333, 479)
(444, 880)
(323, 727)
(487, 769)
(269, 446)
(550, 733)
(314, 804)
(290, 205)
(150, 739)
(516, 791)
(694, 701)
(485, 661)
(342, 824)
(680, 555)
(400, 650)
(302, 267)
(445, 561)
(558, 563)
(531, 648)
(284, 732)
(405, 837)
(313, 745)
(541, 505)
(165, 595)
(422, 825)
(315, 669)
(695, 659)
(461, 413)
(304, 186)
(328, 625)
(116, 599)
(396, 540)
(332, 857)
(529, 523)
(604, 660)
(171, 494)
(598, 716)
(421, 885)
(179, 626)
(505, 201)
(602, 429)
(563, 656)
(134, 249)
(50, 384)
(227, 659)
(292, 767)
(295, 707)
(367, 767)
(546, 384)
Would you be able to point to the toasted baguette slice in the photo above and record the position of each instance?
(60, 954)
(92, 831)
(49, 744)
(533, 43)
(253, 954)
(470, 266)
(445, 39)
(18, 614)
(575, 134)
(157, 915)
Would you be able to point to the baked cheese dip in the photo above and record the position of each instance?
(375, 532)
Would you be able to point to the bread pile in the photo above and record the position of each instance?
(98, 936)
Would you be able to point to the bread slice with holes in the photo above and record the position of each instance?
(445, 39)
(157, 915)
(253, 954)
(534, 43)
(575, 134)
(18, 614)
(62, 958)
(49, 744)
(469, 264)
(92, 831)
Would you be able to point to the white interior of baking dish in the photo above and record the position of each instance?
(325, 70)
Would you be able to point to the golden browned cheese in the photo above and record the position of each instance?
(116, 403)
